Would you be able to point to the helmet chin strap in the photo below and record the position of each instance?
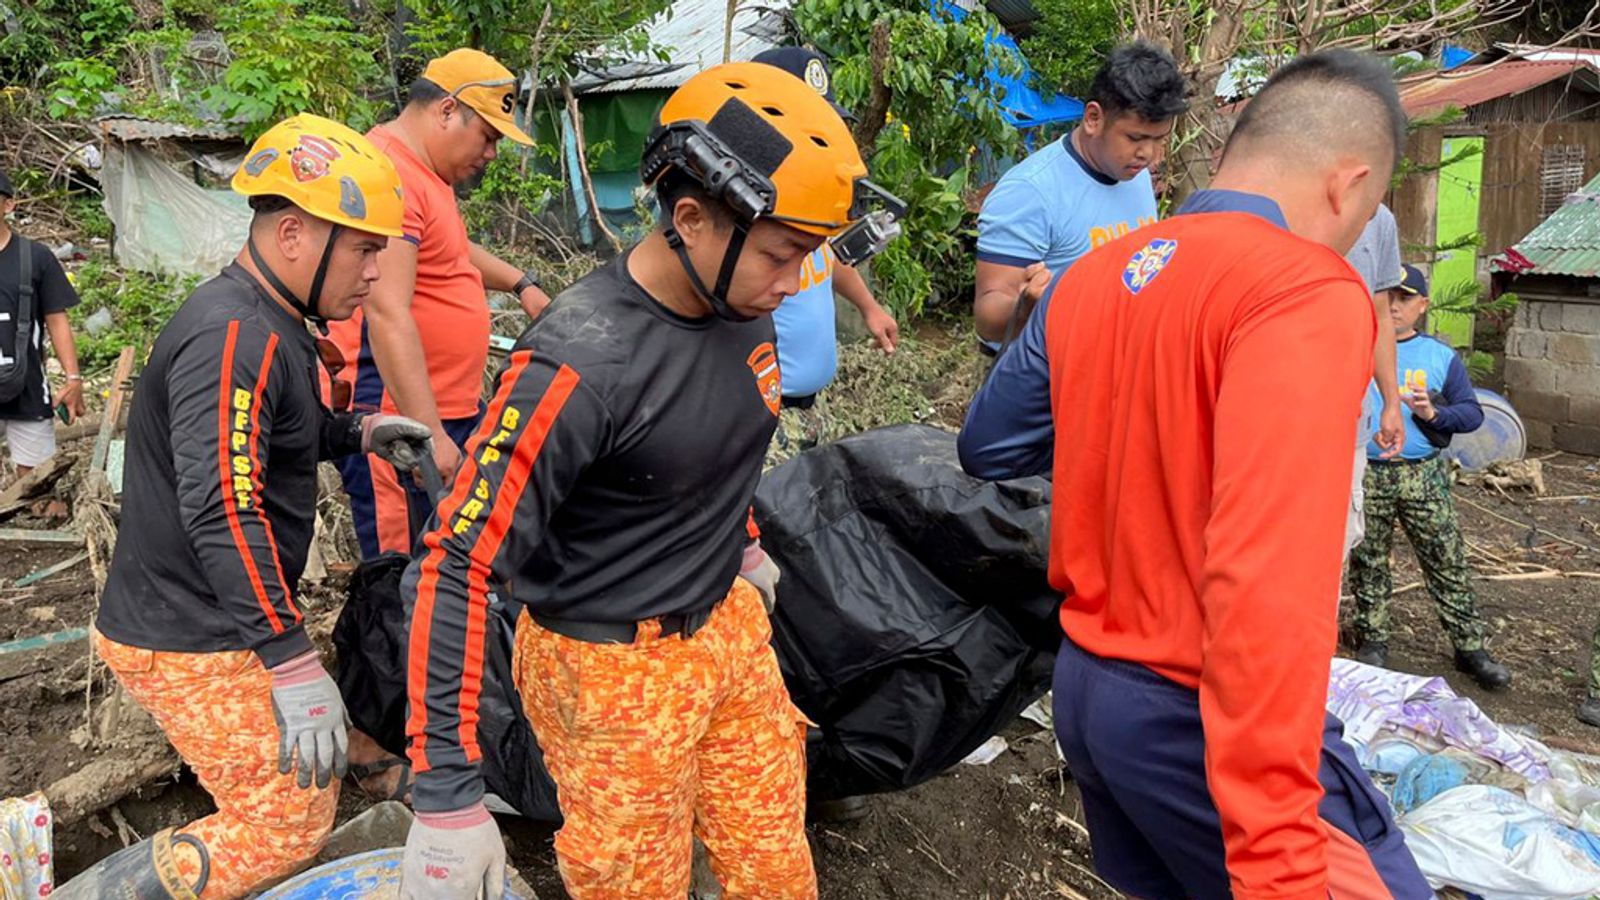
(307, 310)
(718, 298)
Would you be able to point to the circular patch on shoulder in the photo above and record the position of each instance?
(817, 76)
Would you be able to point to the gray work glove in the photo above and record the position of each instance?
(313, 729)
(759, 569)
(397, 440)
(454, 856)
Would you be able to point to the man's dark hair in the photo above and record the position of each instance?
(674, 185)
(1334, 99)
(1140, 78)
(423, 92)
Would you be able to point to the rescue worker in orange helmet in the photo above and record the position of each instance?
(199, 620)
(606, 493)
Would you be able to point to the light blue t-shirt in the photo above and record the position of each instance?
(1431, 366)
(808, 351)
(1053, 207)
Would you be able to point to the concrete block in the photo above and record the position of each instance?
(1580, 318)
(1576, 380)
(1527, 343)
(1545, 407)
(1583, 410)
(1550, 315)
(1524, 316)
(1535, 375)
(1540, 434)
(1575, 349)
(1583, 439)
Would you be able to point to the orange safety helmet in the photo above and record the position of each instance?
(328, 170)
(801, 163)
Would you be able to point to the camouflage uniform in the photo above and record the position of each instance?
(799, 429)
(1418, 495)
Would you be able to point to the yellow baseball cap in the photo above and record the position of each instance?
(476, 79)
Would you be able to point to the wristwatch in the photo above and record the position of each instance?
(528, 280)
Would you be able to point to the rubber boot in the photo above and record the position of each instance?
(1489, 674)
(1589, 712)
(147, 870)
(1373, 653)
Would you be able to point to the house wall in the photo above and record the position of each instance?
(1552, 366)
(1513, 157)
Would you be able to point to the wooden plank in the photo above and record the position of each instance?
(113, 411)
(23, 491)
(31, 536)
(48, 571)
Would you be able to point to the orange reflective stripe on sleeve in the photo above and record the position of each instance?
(480, 553)
(225, 405)
(255, 472)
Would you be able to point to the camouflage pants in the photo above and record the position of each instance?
(799, 429)
(1417, 495)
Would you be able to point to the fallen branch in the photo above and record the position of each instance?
(140, 756)
(1534, 527)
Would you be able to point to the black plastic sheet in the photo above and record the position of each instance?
(913, 620)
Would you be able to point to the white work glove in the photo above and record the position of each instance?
(397, 440)
(454, 856)
(313, 729)
(759, 569)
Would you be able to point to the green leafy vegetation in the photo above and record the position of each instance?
(941, 110)
(140, 304)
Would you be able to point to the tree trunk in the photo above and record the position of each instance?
(583, 165)
(727, 30)
(873, 117)
(1190, 167)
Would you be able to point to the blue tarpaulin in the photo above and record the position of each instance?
(1021, 105)
(1455, 56)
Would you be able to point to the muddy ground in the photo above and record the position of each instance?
(1009, 829)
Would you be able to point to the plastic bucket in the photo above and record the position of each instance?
(1501, 438)
(366, 876)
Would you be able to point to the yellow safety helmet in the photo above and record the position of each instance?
(328, 170)
(779, 148)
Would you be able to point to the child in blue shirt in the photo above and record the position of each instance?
(1414, 488)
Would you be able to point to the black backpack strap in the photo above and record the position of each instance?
(13, 377)
(25, 261)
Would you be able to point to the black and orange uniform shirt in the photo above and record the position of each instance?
(220, 483)
(610, 481)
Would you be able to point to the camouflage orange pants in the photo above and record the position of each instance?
(216, 709)
(653, 742)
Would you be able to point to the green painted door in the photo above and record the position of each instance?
(1460, 188)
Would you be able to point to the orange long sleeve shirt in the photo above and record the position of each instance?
(1205, 380)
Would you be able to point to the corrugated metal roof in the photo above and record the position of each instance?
(1567, 243)
(691, 33)
(137, 128)
(1015, 15)
(1466, 86)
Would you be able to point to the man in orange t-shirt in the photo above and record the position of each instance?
(421, 342)
(1198, 528)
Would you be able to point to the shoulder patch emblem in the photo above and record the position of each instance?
(763, 363)
(1148, 263)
